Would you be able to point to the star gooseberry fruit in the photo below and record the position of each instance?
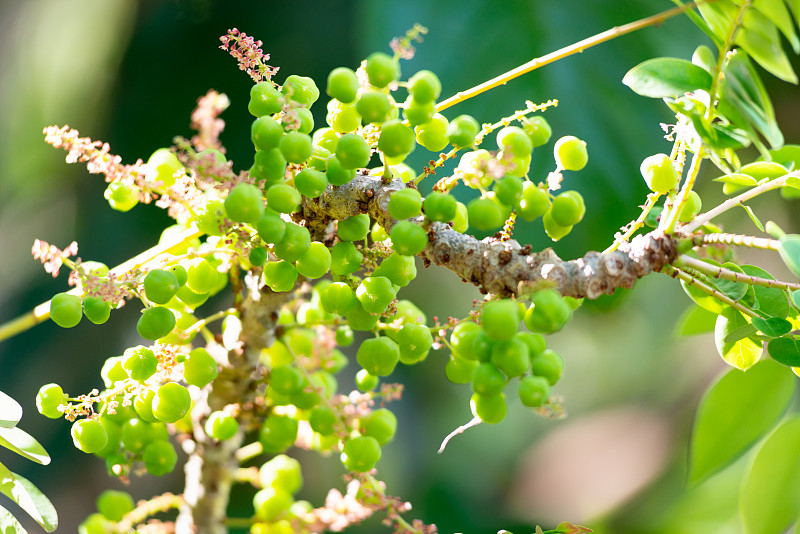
(658, 172)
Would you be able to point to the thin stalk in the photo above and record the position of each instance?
(652, 198)
(671, 219)
(567, 51)
(674, 272)
(728, 274)
(735, 239)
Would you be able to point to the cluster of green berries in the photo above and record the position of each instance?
(112, 506)
(490, 354)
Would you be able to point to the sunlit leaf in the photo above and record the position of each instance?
(770, 496)
(759, 37)
(778, 14)
(735, 412)
(789, 248)
(702, 299)
(719, 16)
(741, 332)
(695, 320)
(741, 354)
(772, 327)
(10, 411)
(732, 289)
(737, 179)
(663, 77)
(9, 524)
(785, 350)
(29, 498)
(768, 300)
(23, 444)
(753, 217)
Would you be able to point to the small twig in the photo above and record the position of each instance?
(735, 239)
(705, 288)
(460, 430)
(728, 274)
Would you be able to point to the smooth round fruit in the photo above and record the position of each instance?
(166, 164)
(159, 457)
(408, 238)
(281, 472)
(114, 504)
(485, 214)
(338, 298)
(365, 381)
(440, 207)
(570, 153)
(508, 190)
(482, 346)
(353, 228)
(325, 138)
(460, 371)
(374, 107)
(548, 365)
(382, 69)
(112, 371)
(221, 426)
(160, 286)
(285, 379)
(342, 118)
(433, 133)
(89, 435)
(199, 368)
(488, 380)
(533, 391)
(375, 293)
(343, 84)
(171, 402)
(490, 409)
(554, 230)
(143, 406)
(361, 320)
(352, 151)
(258, 256)
(414, 340)
(95, 524)
(114, 433)
(360, 454)
(265, 99)
(244, 203)
(140, 363)
(278, 433)
(511, 356)
(461, 220)
(270, 503)
(514, 139)
(534, 201)
(396, 139)
(155, 322)
(304, 117)
(49, 398)
(311, 183)
(296, 241)
(121, 196)
(300, 89)
(538, 129)
(378, 356)
(345, 258)
(269, 165)
(266, 133)
(548, 312)
(66, 310)
(659, 173)
(500, 319)
(568, 208)
(416, 112)
(338, 175)
(381, 424)
(405, 203)
(691, 208)
(462, 339)
(283, 198)
(424, 86)
(323, 420)
(315, 262)
(296, 147)
(96, 310)
(280, 275)
(399, 269)
(462, 130)
(201, 276)
(536, 342)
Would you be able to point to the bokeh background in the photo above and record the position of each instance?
(129, 72)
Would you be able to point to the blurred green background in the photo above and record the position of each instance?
(129, 73)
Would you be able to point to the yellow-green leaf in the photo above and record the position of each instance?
(741, 354)
(665, 76)
(24, 444)
(29, 498)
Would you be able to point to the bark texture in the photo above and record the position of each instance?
(500, 267)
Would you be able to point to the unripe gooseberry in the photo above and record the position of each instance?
(171, 402)
(570, 153)
(66, 310)
(378, 356)
(361, 453)
(659, 173)
(691, 208)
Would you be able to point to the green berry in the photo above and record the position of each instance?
(533, 391)
(266, 133)
(311, 183)
(114, 432)
(66, 310)
(338, 298)
(460, 371)
(296, 241)
(171, 402)
(269, 165)
(570, 153)
(143, 406)
(354, 228)
(244, 203)
(338, 175)
(490, 409)
(114, 504)
(283, 198)
(112, 371)
(433, 133)
(343, 84)
(381, 424)
(342, 117)
(382, 69)
(280, 276)
(418, 113)
(538, 129)
(548, 312)
(461, 220)
(166, 164)
(408, 238)
(257, 256)
(345, 258)
(49, 398)
(405, 203)
(306, 119)
(536, 342)
(375, 293)
(365, 381)
(160, 286)
(488, 380)
(548, 365)
(159, 457)
(511, 356)
(199, 368)
(462, 339)
(201, 276)
(360, 319)
(462, 131)
(121, 196)
(360, 454)
(278, 433)
(396, 139)
(155, 323)
(270, 503)
(140, 363)
(352, 151)
(301, 89)
(414, 340)
(554, 230)
(485, 214)
(89, 435)
(325, 138)
(296, 147)
(95, 524)
(265, 99)
(508, 190)
(568, 208)
(315, 261)
(285, 379)
(514, 139)
(534, 201)
(344, 335)
(281, 472)
(374, 107)
(323, 420)
(691, 208)
(378, 356)
(399, 269)
(500, 319)
(440, 207)
(96, 310)
(221, 426)
(424, 86)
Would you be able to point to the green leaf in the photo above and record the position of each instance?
(10, 411)
(663, 77)
(741, 354)
(29, 498)
(785, 350)
(772, 327)
(788, 156)
(734, 413)
(789, 248)
(695, 320)
(741, 332)
(768, 300)
(770, 495)
(9, 524)
(753, 216)
(776, 12)
(24, 444)
(719, 16)
(737, 179)
(732, 289)
(702, 299)
(759, 37)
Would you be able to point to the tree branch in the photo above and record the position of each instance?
(499, 267)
